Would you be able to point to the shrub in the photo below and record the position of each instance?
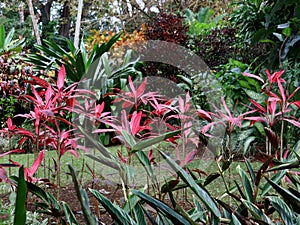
(222, 44)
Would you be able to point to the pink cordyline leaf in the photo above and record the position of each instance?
(141, 89)
(272, 106)
(12, 151)
(208, 126)
(226, 107)
(29, 172)
(260, 108)
(135, 122)
(281, 91)
(254, 119)
(37, 81)
(75, 153)
(253, 76)
(190, 156)
(38, 98)
(132, 87)
(48, 94)
(204, 115)
(61, 77)
(297, 103)
(294, 122)
(10, 125)
(181, 104)
(99, 109)
(276, 77)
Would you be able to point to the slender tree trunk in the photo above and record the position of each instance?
(64, 29)
(78, 23)
(34, 22)
(45, 17)
(21, 13)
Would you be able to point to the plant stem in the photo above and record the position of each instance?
(281, 139)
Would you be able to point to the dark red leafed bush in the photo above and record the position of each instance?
(170, 28)
(13, 73)
(222, 44)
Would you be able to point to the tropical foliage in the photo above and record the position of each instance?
(146, 128)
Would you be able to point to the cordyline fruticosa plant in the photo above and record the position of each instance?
(148, 118)
(279, 106)
(52, 105)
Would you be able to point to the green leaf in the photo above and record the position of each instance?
(142, 157)
(162, 207)
(20, 209)
(290, 198)
(276, 178)
(83, 199)
(250, 169)
(8, 39)
(152, 141)
(282, 208)
(69, 214)
(247, 143)
(287, 31)
(235, 220)
(2, 36)
(211, 178)
(128, 138)
(246, 184)
(118, 214)
(201, 193)
(139, 214)
(34, 189)
(258, 97)
(288, 165)
(256, 212)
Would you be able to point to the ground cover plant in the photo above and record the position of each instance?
(90, 134)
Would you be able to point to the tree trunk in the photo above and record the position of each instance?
(64, 29)
(78, 23)
(34, 22)
(45, 17)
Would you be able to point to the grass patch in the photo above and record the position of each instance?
(104, 173)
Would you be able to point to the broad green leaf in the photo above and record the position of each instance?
(250, 169)
(289, 197)
(34, 189)
(282, 208)
(256, 212)
(83, 199)
(118, 214)
(2, 36)
(258, 97)
(139, 214)
(152, 141)
(142, 157)
(283, 166)
(201, 193)
(69, 214)
(9, 39)
(20, 209)
(276, 178)
(247, 143)
(128, 138)
(104, 151)
(246, 184)
(235, 220)
(162, 207)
